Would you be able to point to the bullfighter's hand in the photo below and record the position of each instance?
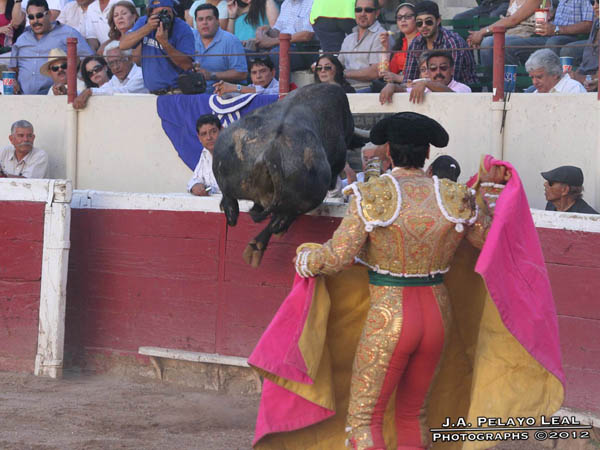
(497, 175)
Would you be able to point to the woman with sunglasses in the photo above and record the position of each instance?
(244, 17)
(95, 71)
(405, 19)
(121, 18)
(329, 69)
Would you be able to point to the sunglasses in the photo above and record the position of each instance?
(443, 68)
(56, 68)
(551, 183)
(95, 70)
(428, 22)
(324, 68)
(405, 17)
(37, 16)
(367, 10)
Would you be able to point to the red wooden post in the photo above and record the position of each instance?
(71, 69)
(284, 64)
(498, 80)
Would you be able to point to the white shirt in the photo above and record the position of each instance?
(271, 89)
(33, 165)
(566, 85)
(132, 84)
(96, 23)
(203, 173)
(80, 87)
(74, 16)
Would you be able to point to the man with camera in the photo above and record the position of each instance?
(167, 43)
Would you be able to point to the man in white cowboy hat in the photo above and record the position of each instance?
(56, 68)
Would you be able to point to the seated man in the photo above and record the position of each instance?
(175, 41)
(21, 159)
(127, 77)
(433, 36)
(564, 190)
(37, 40)
(362, 68)
(262, 74)
(211, 39)
(546, 72)
(203, 181)
(56, 69)
(440, 69)
(294, 19)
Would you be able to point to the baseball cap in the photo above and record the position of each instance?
(569, 175)
(160, 4)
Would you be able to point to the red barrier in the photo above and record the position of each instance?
(71, 69)
(284, 64)
(498, 80)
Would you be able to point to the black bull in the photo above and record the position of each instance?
(284, 157)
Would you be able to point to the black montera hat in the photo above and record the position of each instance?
(409, 128)
(570, 175)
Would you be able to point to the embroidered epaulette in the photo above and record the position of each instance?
(378, 201)
(456, 201)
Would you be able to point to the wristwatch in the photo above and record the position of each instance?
(487, 30)
(556, 30)
(238, 88)
(213, 76)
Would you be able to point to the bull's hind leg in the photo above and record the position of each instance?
(231, 208)
(256, 248)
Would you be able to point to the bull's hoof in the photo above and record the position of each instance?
(253, 253)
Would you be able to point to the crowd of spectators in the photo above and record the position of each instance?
(377, 42)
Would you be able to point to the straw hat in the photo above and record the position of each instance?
(55, 54)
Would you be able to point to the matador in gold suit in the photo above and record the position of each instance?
(405, 227)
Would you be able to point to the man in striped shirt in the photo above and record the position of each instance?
(432, 36)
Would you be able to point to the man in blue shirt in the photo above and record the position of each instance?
(41, 36)
(210, 40)
(166, 53)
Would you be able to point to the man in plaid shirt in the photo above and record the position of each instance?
(433, 36)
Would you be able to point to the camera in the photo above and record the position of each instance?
(166, 19)
(241, 3)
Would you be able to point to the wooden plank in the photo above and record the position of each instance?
(572, 248)
(575, 290)
(580, 343)
(211, 358)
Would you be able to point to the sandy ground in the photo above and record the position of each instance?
(100, 412)
(88, 412)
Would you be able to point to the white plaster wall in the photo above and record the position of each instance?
(122, 146)
(547, 131)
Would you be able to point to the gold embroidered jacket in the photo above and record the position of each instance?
(406, 225)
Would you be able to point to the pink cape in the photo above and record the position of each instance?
(512, 266)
